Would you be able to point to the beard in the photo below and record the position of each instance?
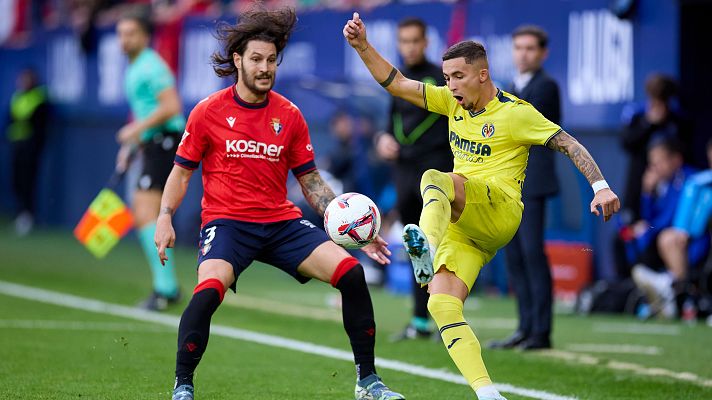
(250, 82)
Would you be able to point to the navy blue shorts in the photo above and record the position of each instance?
(283, 244)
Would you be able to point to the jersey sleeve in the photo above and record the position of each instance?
(530, 127)
(437, 99)
(159, 77)
(301, 154)
(194, 142)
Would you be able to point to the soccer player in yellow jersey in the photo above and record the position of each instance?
(472, 212)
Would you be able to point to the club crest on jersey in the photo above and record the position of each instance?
(276, 126)
(487, 130)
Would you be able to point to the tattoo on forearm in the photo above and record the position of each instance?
(390, 78)
(316, 191)
(167, 210)
(567, 144)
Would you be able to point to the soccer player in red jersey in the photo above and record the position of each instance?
(248, 138)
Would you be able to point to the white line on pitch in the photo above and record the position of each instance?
(283, 308)
(615, 348)
(637, 329)
(333, 314)
(81, 303)
(587, 359)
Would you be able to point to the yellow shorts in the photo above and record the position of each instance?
(489, 220)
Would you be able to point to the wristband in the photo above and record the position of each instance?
(599, 185)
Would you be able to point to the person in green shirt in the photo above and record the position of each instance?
(153, 135)
(26, 133)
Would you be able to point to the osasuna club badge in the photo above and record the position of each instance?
(276, 126)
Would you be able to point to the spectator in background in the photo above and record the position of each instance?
(340, 162)
(416, 140)
(662, 185)
(527, 265)
(26, 132)
(659, 119)
(169, 17)
(687, 242)
(155, 134)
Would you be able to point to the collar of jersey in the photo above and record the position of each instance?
(497, 97)
(243, 103)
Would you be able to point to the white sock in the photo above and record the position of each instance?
(488, 392)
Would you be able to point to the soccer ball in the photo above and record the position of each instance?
(352, 220)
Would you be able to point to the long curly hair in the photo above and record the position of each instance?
(257, 24)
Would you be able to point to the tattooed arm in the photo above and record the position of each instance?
(319, 195)
(605, 198)
(316, 191)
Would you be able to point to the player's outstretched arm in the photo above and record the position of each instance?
(382, 71)
(173, 193)
(319, 195)
(604, 197)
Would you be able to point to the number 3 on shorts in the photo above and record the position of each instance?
(211, 234)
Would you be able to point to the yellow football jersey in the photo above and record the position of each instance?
(495, 141)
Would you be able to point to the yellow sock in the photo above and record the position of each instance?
(438, 192)
(459, 339)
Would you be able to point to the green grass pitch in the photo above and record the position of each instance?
(56, 352)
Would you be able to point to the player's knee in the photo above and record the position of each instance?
(432, 177)
(444, 307)
(216, 269)
(348, 275)
(211, 283)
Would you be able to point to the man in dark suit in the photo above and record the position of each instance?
(527, 265)
(416, 140)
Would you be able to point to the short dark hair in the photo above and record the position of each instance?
(413, 21)
(538, 32)
(671, 144)
(469, 49)
(257, 24)
(661, 87)
(140, 15)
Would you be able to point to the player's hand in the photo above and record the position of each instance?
(378, 251)
(355, 33)
(129, 133)
(387, 147)
(122, 158)
(607, 201)
(165, 236)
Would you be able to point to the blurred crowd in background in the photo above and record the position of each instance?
(660, 241)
